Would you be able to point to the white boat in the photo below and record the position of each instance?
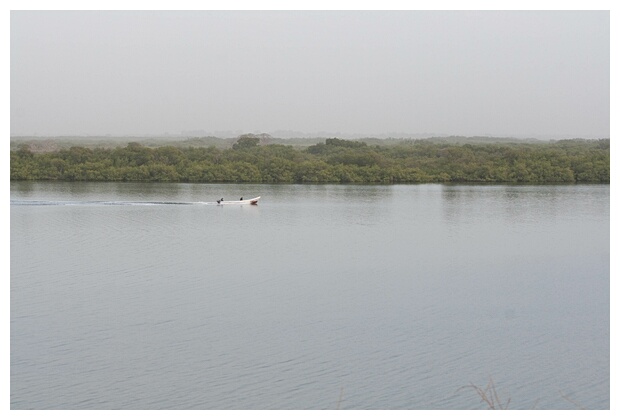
(253, 201)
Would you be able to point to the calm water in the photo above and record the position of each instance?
(320, 297)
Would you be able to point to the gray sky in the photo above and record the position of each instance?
(506, 73)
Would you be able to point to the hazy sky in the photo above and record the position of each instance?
(506, 73)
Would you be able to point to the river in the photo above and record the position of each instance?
(136, 296)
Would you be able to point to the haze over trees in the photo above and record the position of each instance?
(250, 160)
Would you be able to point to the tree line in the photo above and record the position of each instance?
(334, 161)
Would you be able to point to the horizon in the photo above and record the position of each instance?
(292, 135)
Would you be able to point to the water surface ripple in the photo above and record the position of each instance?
(123, 296)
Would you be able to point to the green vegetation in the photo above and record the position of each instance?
(334, 161)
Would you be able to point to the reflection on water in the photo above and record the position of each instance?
(396, 296)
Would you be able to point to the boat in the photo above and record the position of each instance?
(253, 201)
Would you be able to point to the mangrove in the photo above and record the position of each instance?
(333, 161)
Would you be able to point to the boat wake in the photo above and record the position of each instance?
(107, 203)
(252, 201)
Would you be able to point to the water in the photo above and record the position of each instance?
(321, 297)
